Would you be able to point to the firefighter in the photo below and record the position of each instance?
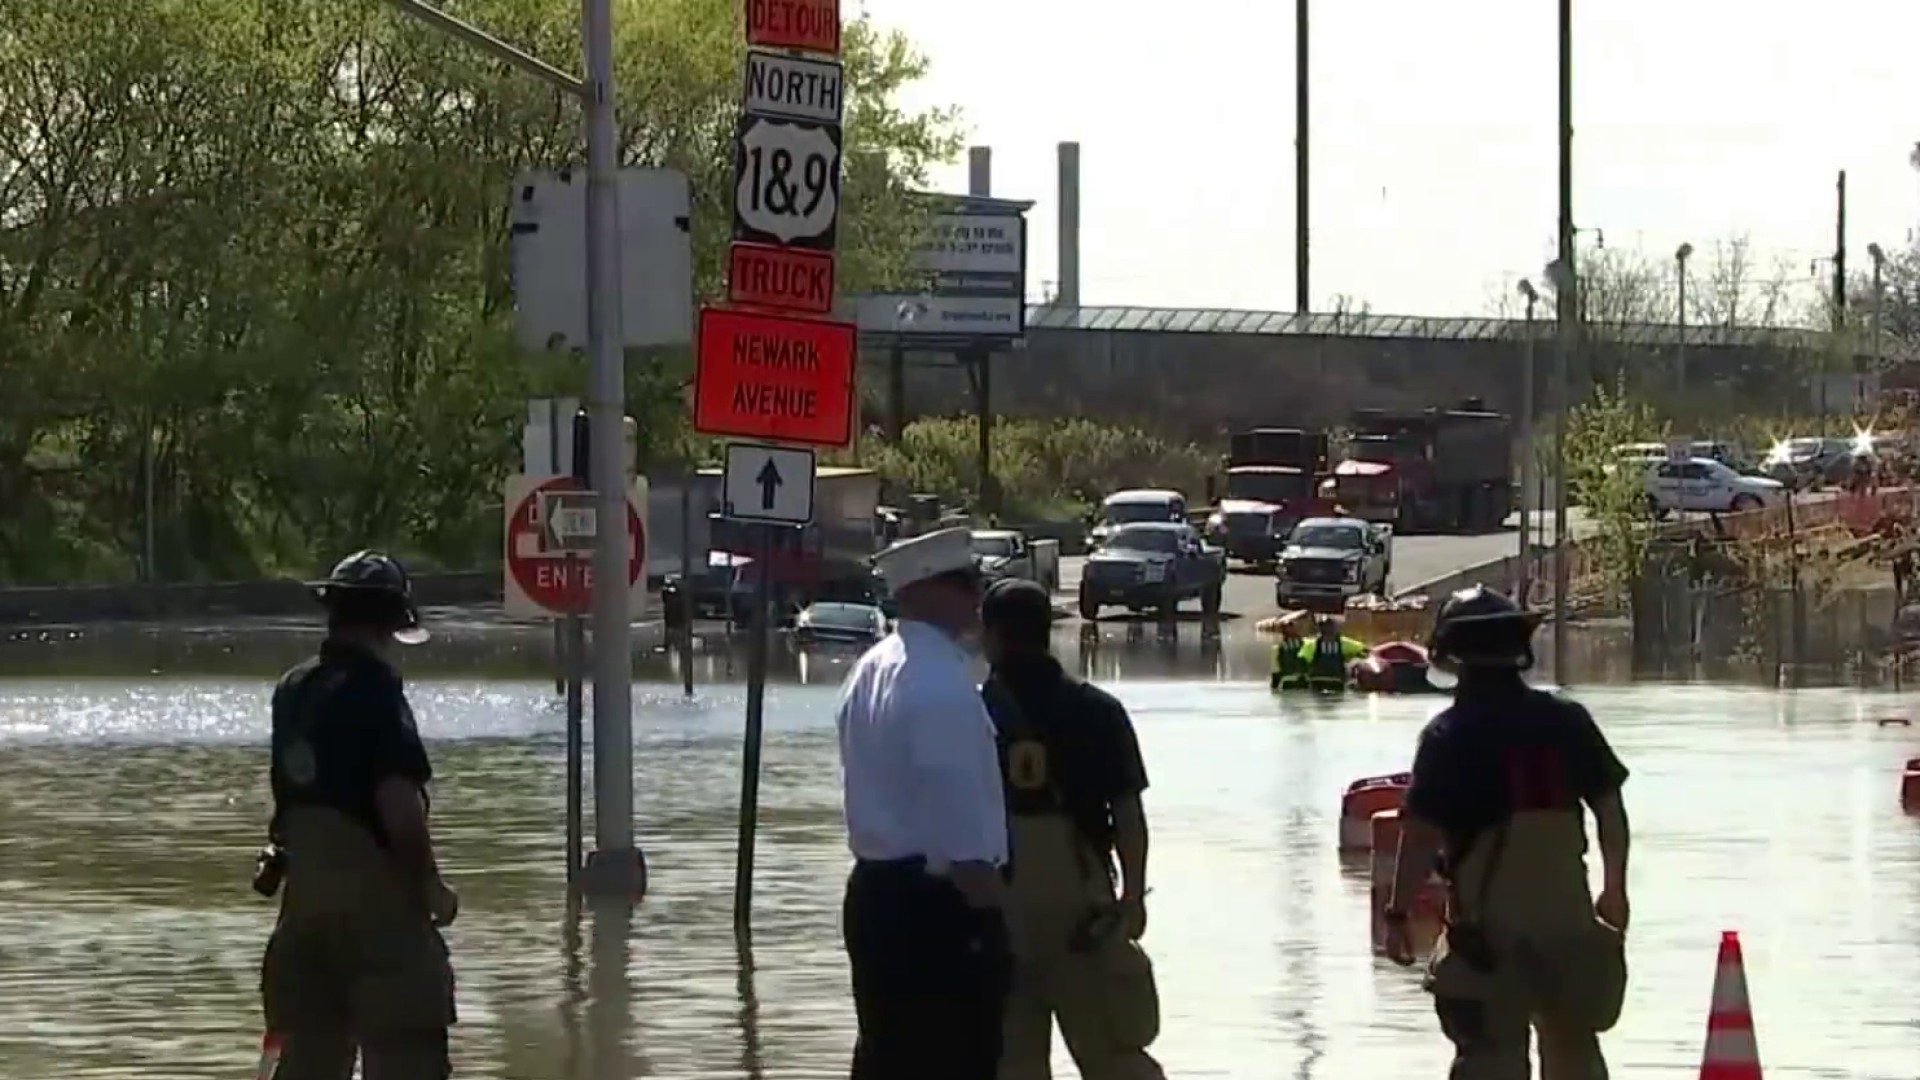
(1499, 781)
(1073, 777)
(356, 958)
(1327, 657)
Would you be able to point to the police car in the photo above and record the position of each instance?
(1703, 484)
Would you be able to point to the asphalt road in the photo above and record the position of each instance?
(1416, 559)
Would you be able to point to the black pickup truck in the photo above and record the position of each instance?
(1154, 566)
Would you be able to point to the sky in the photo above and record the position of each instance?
(1433, 137)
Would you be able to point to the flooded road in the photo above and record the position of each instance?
(132, 806)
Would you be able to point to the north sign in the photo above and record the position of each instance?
(792, 87)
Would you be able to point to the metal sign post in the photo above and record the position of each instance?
(755, 733)
(573, 632)
(771, 487)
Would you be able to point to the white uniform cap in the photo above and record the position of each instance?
(927, 556)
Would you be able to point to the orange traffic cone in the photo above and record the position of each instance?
(1731, 1053)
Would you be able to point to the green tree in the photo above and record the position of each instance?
(1612, 493)
(258, 249)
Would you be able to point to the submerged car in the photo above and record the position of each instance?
(840, 622)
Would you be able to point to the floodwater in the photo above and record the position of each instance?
(132, 803)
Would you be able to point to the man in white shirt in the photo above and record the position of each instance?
(926, 819)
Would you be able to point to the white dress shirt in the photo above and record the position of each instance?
(920, 769)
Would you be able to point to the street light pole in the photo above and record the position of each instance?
(1302, 181)
(614, 866)
(1524, 575)
(1680, 258)
(1879, 257)
(1566, 305)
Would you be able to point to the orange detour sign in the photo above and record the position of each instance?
(806, 25)
(549, 547)
(762, 376)
(1732, 1052)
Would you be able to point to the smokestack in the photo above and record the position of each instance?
(980, 170)
(1069, 254)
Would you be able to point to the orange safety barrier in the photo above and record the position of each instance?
(1732, 1052)
(1429, 907)
(1910, 787)
(1364, 798)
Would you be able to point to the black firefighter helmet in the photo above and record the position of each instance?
(1483, 627)
(372, 588)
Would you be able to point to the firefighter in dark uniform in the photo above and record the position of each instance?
(355, 960)
(1074, 777)
(1499, 781)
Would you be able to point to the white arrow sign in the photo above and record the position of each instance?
(787, 179)
(769, 483)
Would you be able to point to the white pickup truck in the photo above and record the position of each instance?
(1327, 561)
(1006, 553)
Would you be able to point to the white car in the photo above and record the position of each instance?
(1703, 484)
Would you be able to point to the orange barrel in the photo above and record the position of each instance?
(1366, 797)
(1910, 786)
(1429, 906)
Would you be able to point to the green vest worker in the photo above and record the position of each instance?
(1326, 657)
(1289, 665)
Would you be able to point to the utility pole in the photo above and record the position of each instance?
(614, 868)
(980, 357)
(1680, 257)
(1839, 300)
(1302, 293)
(1566, 304)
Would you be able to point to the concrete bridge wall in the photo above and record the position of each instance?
(1194, 386)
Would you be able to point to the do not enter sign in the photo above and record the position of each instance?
(547, 572)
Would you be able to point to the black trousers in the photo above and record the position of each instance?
(930, 976)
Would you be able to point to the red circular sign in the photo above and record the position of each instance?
(561, 582)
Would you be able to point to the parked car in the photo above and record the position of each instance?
(1810, 462)
(839, 622)
(1153, 566)
(1248, 529)
(1703, 484)
(715, 591)
(1328, 560)
(1002, 553)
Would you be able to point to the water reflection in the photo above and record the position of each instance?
(1111, 650)
(129, 940)
(750, 1065)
